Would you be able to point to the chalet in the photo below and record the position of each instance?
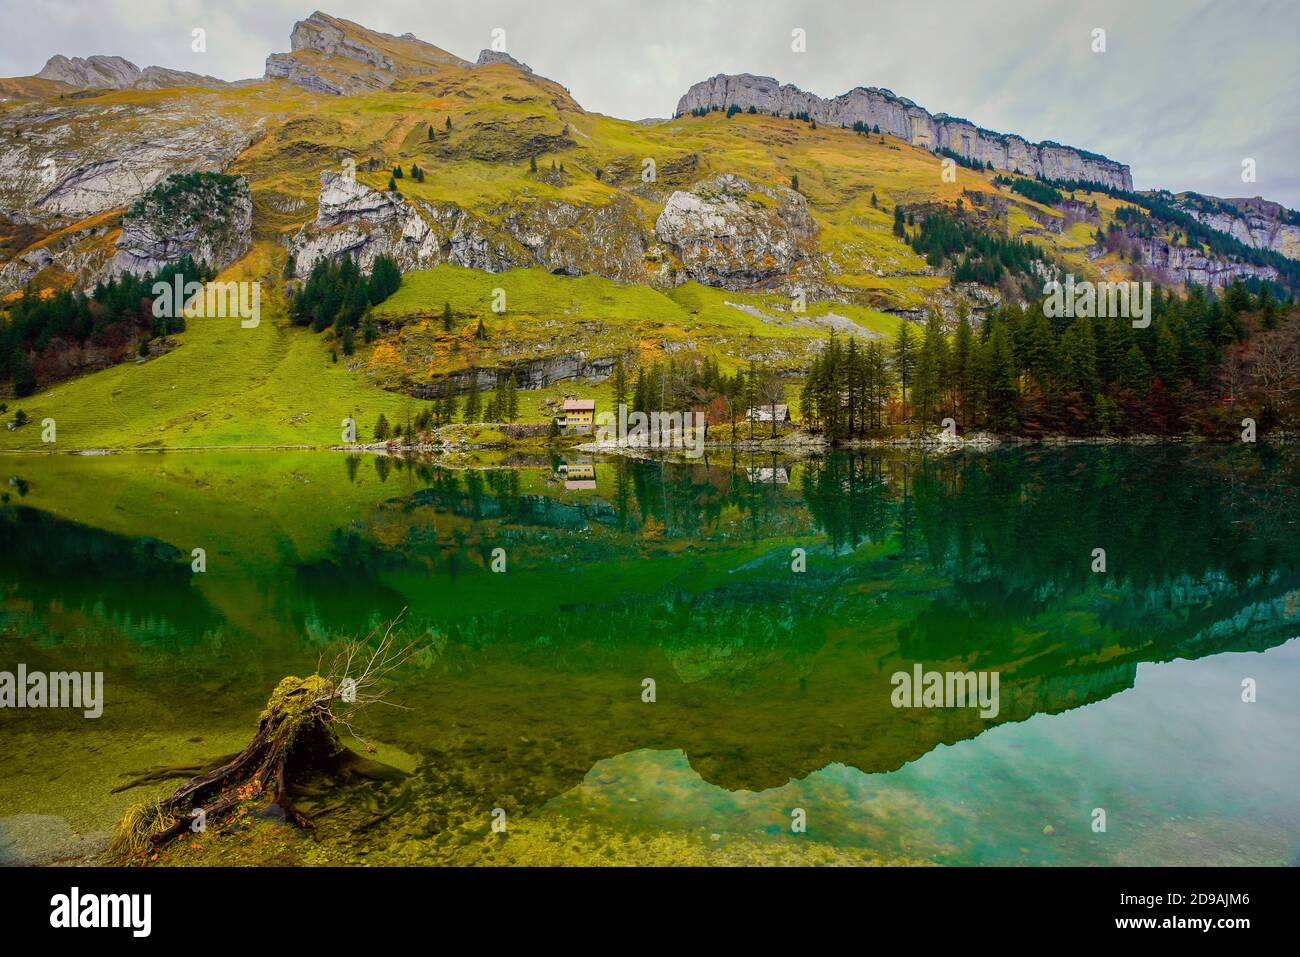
(578, 475)
(768, 413)
(577, 414)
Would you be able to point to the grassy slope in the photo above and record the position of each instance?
(224, 385)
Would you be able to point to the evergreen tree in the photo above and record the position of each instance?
(20, 371)
(385, 279)
(904, 360)
(381, 429)
(639, 392)
(473, 400)
(962, 382)
(619, 381)
(1002, 393)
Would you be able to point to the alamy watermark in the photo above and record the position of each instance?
(130, 911)
(212, 300)
(655, 430)
(1098, 300)
(55, 689)
(946, 689)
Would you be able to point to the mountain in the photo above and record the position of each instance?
(741, 236)
(1256, 222)
(339, 57)
(108, 72)
(902, 118)
(117, 73)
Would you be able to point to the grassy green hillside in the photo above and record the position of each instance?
(222, 386)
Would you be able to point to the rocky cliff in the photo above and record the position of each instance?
(353, 219)
(902, 118)
(734, 233)
(1191, 265)
(486, 57)
(75, 160)
(336, 56)
(117, 73)
(207, 216)
(1255, 222)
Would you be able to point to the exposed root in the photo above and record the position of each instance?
(164, 772)
(295, 740)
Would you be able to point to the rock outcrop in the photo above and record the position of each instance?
(353, 219)
(207, 216)
(1256, 222)
(1191, 265)
(336, 56)
(97, 72)
(902, 118)
(82, 255)
(486, 57)
(577, 240)
(530, 374)
(117, 73)
(736, 234)
(86, 158)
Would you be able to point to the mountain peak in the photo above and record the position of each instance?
(331, 55)
(486, 57)
(118, 73)
(884, 110)
(112, 72)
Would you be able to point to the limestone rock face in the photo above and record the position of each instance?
(86, 158)
(1256, 222)
(900, 117)
(101, 72)
(116, 73)
(206, 216)
(579, 240)
(339, 57)
(324, 35)
(1183, 264)
(496, 56)
(353, 219)
(82, 254)
(736, 234)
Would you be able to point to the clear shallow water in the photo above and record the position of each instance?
(1120, 691)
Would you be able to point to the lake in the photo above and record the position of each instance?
(1147, 713)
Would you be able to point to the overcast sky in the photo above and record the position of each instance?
(1183, 93)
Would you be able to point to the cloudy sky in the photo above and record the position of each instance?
(1183, 93)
